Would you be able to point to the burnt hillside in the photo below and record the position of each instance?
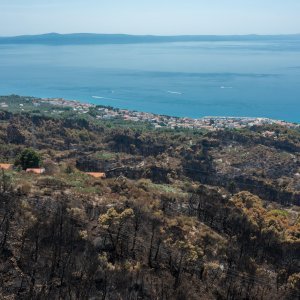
(181, 214)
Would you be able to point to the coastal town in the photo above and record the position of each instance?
(210, 123)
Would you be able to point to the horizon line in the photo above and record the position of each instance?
(150, 35)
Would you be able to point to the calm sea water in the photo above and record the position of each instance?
(260, 79)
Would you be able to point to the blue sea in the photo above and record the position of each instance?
(193, 79)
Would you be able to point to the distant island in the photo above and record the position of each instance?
(93, 38)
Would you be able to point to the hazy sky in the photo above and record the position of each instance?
(150, 17)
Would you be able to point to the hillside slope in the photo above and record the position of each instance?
(182, 214)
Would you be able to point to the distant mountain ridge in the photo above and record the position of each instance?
(93, 38)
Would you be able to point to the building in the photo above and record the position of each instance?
(36, 170)
(97, 174)
(6, 166)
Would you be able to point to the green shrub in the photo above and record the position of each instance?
(28, 159)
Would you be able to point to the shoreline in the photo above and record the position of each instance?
(210, 123)
(17, 103)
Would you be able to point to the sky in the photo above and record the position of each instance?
(159, 17)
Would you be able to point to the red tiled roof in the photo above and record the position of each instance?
(35, 170)
(5, 166)
(96, 174)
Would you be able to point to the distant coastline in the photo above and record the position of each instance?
(93, 38)
(102, 112)
(158, 121)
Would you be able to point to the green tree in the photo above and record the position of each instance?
(28, 159)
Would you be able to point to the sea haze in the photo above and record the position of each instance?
(254, 77)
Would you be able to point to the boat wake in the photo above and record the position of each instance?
(108, 98)
(97, 97)
(173, 92)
